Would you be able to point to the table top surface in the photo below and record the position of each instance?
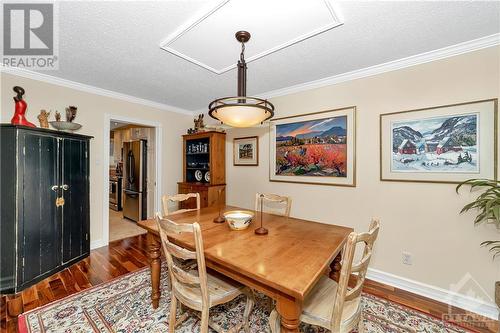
(290, 258)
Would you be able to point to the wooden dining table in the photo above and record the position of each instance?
(285, 264)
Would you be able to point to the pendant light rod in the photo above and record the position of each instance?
(242, 37)
(242, 78)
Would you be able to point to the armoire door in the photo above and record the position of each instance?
(74, 185)
(41, 223)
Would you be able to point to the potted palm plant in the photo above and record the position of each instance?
(488, 206)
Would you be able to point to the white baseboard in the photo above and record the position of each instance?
(486, 309)
(97, 244)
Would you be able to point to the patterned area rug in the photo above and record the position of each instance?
(123, 305)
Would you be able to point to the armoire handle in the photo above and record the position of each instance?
(65, 187)
(54, 187)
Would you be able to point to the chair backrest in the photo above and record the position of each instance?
(179, 275)
(284, 201)
(166, 199)
(345, 294)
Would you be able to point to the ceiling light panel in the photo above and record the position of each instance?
(208, 38)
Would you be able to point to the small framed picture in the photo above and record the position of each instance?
(246, 151)
(442, 144)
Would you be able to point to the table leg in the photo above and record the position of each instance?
(154, 255)
(335, 267)
(289, 310)
(15, 305)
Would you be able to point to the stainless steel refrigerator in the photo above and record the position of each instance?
(134, 180)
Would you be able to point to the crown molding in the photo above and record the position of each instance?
(450, 51)
(90, 89)
(422, 58)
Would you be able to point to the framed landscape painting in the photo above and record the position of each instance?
(315, 148)
(246, 151)
(445, 144)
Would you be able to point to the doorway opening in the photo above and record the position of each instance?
(131, 172)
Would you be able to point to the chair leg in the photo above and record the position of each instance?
(274, 321)
(181, 319)
(361, 325)
(270, 304)
(204, 321)
(248, 308)
(173, 312)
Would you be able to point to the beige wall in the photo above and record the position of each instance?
(419, 218)
(91, 110)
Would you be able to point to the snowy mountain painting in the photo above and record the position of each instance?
(440, 144)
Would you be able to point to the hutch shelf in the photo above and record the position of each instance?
(204, 168)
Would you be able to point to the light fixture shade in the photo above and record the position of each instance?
(241, 111)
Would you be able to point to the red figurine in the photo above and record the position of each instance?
(19, 118)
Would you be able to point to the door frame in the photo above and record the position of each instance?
(108, 118)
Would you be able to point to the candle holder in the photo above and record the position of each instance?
(261, 230)
(219, 218)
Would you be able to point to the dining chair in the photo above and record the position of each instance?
(195, 289)
(336, 306)
(284, 201)
(166, 199)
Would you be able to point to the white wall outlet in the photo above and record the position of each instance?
(407, 258)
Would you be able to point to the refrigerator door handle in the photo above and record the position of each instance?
(141, 165)
(131, 167)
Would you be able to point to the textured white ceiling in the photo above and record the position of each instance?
(115, 45)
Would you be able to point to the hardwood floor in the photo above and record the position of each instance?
(128, 255)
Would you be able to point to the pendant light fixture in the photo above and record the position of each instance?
(241, 111)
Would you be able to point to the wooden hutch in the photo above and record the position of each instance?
(204, 168)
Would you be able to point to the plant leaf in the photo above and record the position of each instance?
(488, 206)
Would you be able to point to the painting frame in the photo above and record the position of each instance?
(485, 148)
(349, 180)
(254, 141)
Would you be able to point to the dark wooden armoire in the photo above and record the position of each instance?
(44, 225)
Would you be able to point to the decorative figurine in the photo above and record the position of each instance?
(198, 123)
(19, 117)
(70, 113)
(68, 125)
(43, 118)
(199, 126)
